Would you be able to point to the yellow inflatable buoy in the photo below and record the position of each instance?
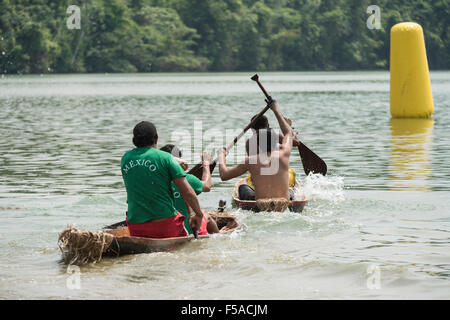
(411, 95)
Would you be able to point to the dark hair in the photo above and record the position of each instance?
(261, 123)
(171, 148)
(265, 140)
(144, 134)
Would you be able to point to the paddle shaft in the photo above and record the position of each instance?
(251, 124)
(311, 162)
(256, 78)
(197, 170)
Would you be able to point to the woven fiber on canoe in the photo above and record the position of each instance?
(273, 204)
(83, 246)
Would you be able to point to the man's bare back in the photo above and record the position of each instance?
(269, 171)
(270, 183)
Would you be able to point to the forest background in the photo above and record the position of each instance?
(211, 35)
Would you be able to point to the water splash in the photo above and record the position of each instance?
(319, 187)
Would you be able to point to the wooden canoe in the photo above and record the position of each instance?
(83, 246)
(294, 206)
(125, 244)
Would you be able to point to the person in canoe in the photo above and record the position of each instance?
(247, 190)
(197, 185)
(147, 173)
(267, 162)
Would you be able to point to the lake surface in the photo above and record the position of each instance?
(376, 227)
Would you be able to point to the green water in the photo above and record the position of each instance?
(377, 226)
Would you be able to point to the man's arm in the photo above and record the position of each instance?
(284, 125)
(191, 199)
(295, 141)
(286, 144)
(236, 171)
(206, 176)
(188, 194)
(182, 163)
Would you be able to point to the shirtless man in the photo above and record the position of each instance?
(246, 190)
(269, 166)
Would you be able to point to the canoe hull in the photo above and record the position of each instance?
(124, 244)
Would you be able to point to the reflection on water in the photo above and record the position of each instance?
(410, 158)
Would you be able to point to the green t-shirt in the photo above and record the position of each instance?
(148, 173)
(180, 204)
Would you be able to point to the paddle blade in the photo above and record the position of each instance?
(212, 166)
(197, 170)
(311, 162)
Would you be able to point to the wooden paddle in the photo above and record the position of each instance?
(311, 161)
(197, 170)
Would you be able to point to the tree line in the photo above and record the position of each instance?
(211, 35)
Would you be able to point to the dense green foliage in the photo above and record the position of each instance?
(211, 35)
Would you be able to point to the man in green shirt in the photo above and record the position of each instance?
(199, 186)
(147, 173)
